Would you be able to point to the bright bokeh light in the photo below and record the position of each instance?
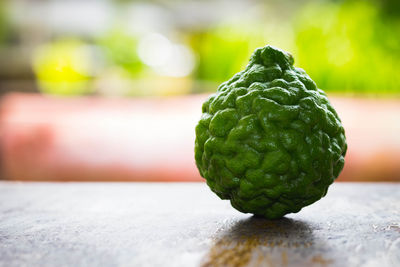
(154, 50)
(180, 62)
(165, 57)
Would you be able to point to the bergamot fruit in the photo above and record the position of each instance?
(269, 140)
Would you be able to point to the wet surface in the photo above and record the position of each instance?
(169, 224)
(254, 241)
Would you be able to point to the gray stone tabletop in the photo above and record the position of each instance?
(184, 224)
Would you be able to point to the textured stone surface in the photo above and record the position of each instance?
(139, 224)
(269, 140)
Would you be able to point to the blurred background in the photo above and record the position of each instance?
(111, 90)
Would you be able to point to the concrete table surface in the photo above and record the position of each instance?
(184, 224)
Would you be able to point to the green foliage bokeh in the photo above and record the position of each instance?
(345, 46)
(349, 47)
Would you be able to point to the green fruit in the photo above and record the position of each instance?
(269, 140)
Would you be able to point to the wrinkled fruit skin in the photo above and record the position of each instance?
(269, 140)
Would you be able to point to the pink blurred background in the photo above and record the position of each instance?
(98, 139)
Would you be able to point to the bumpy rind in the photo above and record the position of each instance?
(269, 140)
